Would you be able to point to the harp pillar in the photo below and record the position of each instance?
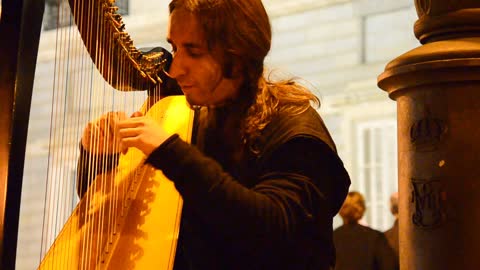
(20, 25)
(437, 90)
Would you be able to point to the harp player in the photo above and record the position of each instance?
(263, 181)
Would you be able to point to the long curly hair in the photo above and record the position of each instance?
(240, 31)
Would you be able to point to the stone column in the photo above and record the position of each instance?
(437, 90)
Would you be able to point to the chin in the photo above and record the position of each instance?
(193, 102)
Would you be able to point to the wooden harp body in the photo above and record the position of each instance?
(129, 218)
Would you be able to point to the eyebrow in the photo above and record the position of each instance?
(190, 45)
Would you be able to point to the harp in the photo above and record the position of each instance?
(116, 223)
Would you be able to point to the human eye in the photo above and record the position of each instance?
(195, 52)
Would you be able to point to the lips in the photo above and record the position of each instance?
(186, 87)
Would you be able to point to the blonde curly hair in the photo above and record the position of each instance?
(274, 97)
(353, 208)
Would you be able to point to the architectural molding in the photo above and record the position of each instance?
(277, 8)
(369, 7)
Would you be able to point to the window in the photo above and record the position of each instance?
(377, 169)
(57, 13)
(122, 7)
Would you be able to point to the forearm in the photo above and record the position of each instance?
(90, 165)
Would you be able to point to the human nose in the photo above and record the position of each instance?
(177, 68)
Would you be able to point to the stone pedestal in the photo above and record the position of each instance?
(437, 90)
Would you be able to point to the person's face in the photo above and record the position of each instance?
(194, 66)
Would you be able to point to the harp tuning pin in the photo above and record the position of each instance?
(143, 74)
(159, 80)
(152, 79)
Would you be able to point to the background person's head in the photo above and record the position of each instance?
(394, 204)
(353, 208)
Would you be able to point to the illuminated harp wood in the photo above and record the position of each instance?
(129, 217)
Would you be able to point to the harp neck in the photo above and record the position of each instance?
(103, 33)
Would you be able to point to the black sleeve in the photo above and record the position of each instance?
(296, 186)
(90, 165)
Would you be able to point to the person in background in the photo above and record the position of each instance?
(359, 247)
(262, 181)
(392, 233)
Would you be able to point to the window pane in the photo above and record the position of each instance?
(122, 6)
(377, 169)
(57, 13)
(366, 147)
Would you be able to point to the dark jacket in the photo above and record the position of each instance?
(271, 210)
(268, 210)
(361, 248)
(392, 237)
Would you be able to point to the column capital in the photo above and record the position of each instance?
(446, 19)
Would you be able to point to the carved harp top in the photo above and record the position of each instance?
(111, 48)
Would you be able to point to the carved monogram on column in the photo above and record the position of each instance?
(427, 133)
(429, 202)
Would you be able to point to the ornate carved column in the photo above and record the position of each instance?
(437, 90)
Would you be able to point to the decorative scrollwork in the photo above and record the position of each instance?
(148, 66)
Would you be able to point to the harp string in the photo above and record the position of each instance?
(81, 99)
(99, 219)
(55, 184)
(62, 131)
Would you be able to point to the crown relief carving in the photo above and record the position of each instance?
(426, 134)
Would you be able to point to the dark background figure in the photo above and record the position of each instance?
(359, 247)
(392, 233)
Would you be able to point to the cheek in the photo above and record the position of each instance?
(210, 75)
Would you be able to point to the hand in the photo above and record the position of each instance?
(99, 135)
(141, 132)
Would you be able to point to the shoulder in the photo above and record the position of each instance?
(378, 236)
(389, 232)
(339, 229)
(302, 141)
(368, 231)
(284, 127)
